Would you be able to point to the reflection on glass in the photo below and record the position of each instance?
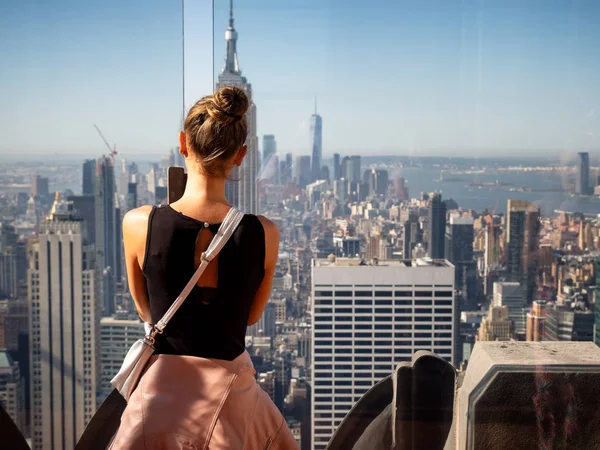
(434, 175)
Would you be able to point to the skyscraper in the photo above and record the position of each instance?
(11, 265)
(243, 193)
(285, 169)
(85, 207)
(132, 197)
(582, 174)
(89, 177)
(269, 147)
(303, 170)
(270, 162)
(12, 393)
(459, 251)
(350, 168)
(510, 294)
(105, 232)
(336, 166)
(367, 319)
(437, 226)
(377, 180)
(522, 246)
(316, 142)
(64, 326)
(39, 186)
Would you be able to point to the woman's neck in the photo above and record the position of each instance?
(204, 189)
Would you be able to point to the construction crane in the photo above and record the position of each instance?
(112, 150)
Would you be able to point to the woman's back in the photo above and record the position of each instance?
(212, 321)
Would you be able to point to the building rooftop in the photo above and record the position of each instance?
(332, 261)
(5, 360)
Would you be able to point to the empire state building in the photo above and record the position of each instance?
(242, 190)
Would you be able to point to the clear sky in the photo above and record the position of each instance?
(423, 76)
(464, 77)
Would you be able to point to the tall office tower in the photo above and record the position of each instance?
(459, 251)
(336, 166)
(586, 237)
(9, 262)
(437, 226)
(89, 177)
(377, 180)
(355, 171)
(85, 207)
(270, 170)
(411, 236)
(242, 193)
(401, 189)
(106, 233)
(302, 170)
(510, 294)
(269, 147)
(367, 319)
(316, 144)
(39, 186)
(496, 326)
(340, 189)
(117, 335)
(522, 246)
(123, 178)
(64, 330)
(12, 389)
(132, 197)
(536, 322)
(582, 174)
(492, 250)
(350, 168)
(285, 169)
(569, 322)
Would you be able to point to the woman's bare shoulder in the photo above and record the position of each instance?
(137, 218)
(269, 226)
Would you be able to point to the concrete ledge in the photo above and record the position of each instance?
(521, 394)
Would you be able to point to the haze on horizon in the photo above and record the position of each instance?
(426, 78)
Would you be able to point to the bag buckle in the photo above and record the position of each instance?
(153, 334)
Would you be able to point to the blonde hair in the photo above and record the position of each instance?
(216, 128)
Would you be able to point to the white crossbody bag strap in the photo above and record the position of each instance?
(229, 225)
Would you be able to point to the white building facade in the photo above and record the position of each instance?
(367, 319)
(117, 335)
(509, 293)
(64, 313)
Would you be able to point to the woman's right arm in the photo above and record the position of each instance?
(271, 253)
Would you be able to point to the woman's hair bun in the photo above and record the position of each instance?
(229, 104)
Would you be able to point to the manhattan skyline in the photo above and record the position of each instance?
(391, 79)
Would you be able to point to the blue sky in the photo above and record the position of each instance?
(426, 77)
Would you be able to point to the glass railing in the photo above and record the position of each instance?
(92, 99)
(433, 170)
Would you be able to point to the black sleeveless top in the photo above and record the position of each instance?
(212, 322)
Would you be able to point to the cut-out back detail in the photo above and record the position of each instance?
(212, 321)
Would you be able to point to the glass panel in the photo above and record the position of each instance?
(444, 151)
(92, 103)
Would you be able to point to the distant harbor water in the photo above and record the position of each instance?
(546, 189)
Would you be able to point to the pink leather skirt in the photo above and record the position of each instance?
(185, 403)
